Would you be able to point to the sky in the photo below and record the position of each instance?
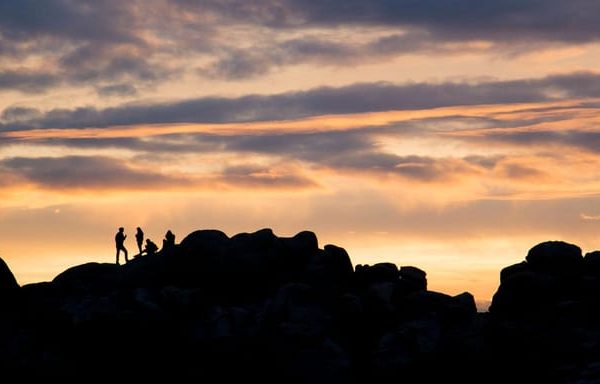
(448, 135)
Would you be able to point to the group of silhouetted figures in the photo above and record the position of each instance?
(150, 248)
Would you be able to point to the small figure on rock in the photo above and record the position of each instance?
(120, 243)
(139, 238)
(169, 240)
(150, 248)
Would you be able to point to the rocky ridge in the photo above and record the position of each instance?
(260, 307)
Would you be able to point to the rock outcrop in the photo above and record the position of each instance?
(258, 307)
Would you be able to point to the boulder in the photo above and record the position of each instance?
(299, 249)
(591, 262)
(8, 283)
(412, 279)
(555, 257)
(89, 277)
(377, 273)
(525, 294)
(337, 264)
(208, 241)
(512, 270)
(425, 304)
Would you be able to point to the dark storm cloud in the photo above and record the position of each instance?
(370, 97)
(80, 172)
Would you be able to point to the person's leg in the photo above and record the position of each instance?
(125, 252)
(118, 255)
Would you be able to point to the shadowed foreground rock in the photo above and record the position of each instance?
(257, 307)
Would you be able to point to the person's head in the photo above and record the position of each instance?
(121, 229)
(139, 229)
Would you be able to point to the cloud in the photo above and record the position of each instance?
(349, 151)
(106, 68)
(587, 217)
(81, 172)
(260, 177)
(261, 59)
(105, 43)
(357, 98)
(545, 20)
(106, 173)
(117, 89)
(20, 113)
(76, 43)
(27, 80)
(521, 172)
(581, 139)
(106, 20)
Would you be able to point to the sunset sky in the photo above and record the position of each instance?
(449, 135)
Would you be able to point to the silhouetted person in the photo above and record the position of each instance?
(139, 238)
(120, 243)
(169, 240)
(150, 248)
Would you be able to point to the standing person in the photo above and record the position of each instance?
(139, 238)
(120, 243)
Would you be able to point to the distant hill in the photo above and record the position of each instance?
(259, 308)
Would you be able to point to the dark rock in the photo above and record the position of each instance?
(512, 270)
(591, 261)
(465, 302)
(7, 279)
(298, 251)
(425, 304)
(412, 279)
(408, 353)
(257, 307)
(90, 277)
(524, 294)
(8, 284)
(377, 273)
(338, 264)
(208, 241)
(556, 257)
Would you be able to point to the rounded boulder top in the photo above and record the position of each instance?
(555, 256)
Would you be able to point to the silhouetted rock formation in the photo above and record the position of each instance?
(546, 314)
(260, 307)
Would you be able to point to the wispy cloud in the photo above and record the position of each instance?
(587, 217)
